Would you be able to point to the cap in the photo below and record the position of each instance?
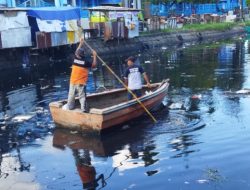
(131, 58)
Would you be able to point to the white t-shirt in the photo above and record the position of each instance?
(133, 74)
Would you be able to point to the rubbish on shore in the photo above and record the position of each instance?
(147, 61)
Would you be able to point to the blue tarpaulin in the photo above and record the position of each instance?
(52, 13)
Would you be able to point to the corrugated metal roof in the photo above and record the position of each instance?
(110, 8)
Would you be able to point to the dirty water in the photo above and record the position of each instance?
(200, 142)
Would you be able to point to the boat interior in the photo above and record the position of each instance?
(110, 98)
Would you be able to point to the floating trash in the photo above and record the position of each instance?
(57, 86)
(125, 127)
(22, 118)
(3, 128)
(44, 87)
(243, 91)
(176, 106)
(202, 181)
(150, 173)
(214, 175)
(199, 96)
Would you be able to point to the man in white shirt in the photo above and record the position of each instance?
(133, 78)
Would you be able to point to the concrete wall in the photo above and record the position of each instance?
(160, 39)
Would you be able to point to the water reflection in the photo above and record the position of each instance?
(86, 170)
(182, 145)
(140, 150)
(126, 153)
(11, 164)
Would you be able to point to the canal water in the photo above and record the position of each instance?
(201, 142)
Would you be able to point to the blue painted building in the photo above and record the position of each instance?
(189, 8)
(7, 3)
(93, 3)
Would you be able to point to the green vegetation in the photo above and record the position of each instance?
(202, 27)
(212, 26)
(205, 27)
(247, 23)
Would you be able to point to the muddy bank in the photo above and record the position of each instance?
(25, 57)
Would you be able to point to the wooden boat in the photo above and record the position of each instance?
(107, 109)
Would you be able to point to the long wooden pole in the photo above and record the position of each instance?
(134, 96)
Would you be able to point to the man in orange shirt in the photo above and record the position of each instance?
(87, 171)
(79, 77)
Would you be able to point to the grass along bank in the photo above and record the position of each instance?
(203, 27)
(211, 26)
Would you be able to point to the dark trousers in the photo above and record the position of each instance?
(138, 94)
